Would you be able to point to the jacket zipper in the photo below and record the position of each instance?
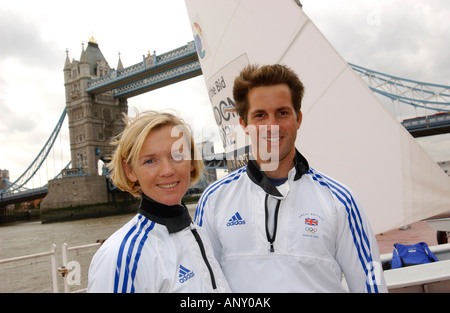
(271, 238)
(205, 259)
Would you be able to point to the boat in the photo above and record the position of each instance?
(402, 185)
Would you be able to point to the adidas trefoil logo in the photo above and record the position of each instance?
(185, 274)
(236, 219)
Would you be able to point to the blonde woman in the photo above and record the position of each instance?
(159, 249)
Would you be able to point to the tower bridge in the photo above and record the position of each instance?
(155, 71)
(96, 97)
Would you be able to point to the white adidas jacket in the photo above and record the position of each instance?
(300, 237)
(159, 250)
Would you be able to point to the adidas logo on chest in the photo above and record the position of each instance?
(184, 274)
(236, 219)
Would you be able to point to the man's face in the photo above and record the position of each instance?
(272, 122)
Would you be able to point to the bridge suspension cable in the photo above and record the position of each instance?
(417, 94)
(19, 184)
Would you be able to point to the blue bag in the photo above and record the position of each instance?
(407, 255)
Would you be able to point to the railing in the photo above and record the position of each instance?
(75, 272)
(27, 273)
(39, 272)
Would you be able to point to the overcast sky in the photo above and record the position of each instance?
(405, 38)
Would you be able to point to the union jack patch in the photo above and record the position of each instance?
(311, 221)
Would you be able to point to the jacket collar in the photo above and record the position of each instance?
(259, 177)
(174, 217)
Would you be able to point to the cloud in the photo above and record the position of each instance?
(21, 39)
(404, 38)
(401, 38)
(29, 92)
(10, 118)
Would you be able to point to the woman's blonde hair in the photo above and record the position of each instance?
(129, 144)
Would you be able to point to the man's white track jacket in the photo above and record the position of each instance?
(300, 237)
(159, 250)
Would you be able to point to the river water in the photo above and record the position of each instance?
(26, 238)
(29, 238)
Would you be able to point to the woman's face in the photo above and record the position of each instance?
(163, 168)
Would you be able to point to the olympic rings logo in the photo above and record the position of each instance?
(310, 230)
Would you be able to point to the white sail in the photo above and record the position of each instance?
(346, 132)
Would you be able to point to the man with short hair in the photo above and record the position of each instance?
(277, 225)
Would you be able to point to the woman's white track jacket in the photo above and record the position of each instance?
(300, 237)
(157, 252)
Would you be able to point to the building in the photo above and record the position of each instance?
(4, 178)
(93, 119)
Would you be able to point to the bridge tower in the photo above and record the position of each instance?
(93, 119)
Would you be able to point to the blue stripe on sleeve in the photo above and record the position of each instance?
(124, 269)
(360, 239)
(138, 253)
